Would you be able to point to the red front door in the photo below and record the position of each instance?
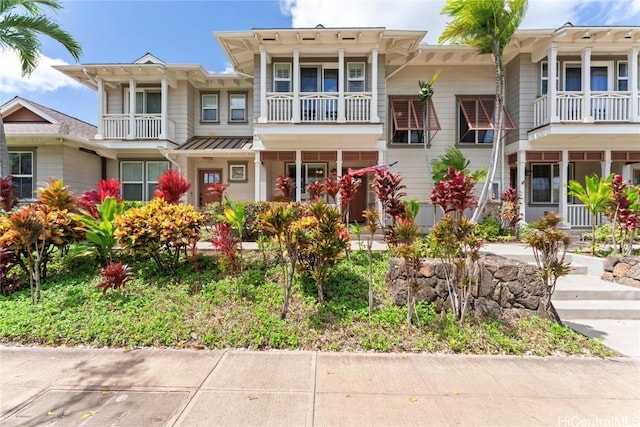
(208, 177)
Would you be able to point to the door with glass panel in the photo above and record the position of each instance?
(208, 177)
(318, 93)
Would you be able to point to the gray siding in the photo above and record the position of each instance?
(178, 110)
(529, 78)
(512, 97)
(81, 170)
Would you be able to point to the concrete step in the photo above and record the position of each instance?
(564, 294)
(598, 309)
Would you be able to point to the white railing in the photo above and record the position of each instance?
(318, 107)
(146, 126)
(600, 107)
(580, 216)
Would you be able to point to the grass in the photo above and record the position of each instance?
(211, 309)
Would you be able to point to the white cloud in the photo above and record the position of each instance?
(425, 14)
(43, 79)
(228, 68)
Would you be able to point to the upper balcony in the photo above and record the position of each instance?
(318, 107)
(143, 126)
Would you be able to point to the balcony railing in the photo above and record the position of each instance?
(574, 107)
(146, 126)
(318, 107)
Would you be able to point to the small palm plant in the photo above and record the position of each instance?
(234, 215)
(596, 195)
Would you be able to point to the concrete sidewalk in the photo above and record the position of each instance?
(149, 387)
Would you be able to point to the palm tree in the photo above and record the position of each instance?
(596, 195)
(488, 26)
(22, 22)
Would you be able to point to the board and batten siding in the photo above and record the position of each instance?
(81, 170)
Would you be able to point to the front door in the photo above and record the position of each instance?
(208, 177)
(358, 204)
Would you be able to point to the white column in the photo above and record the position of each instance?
(552, 90)
(296, 86)
(164, 100)
(564, 179)
(339, 166)
(373, 108)
(626, 173)
(263, 86)
(101, 103)
(298, 175)
(378, 202)
(606, 165)
(256, 176)
(634, 111)
(341, 109)
(521, 181)
(587, 114)
(132, 109)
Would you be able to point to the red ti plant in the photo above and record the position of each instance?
(8, 282)
(331, 187)
(7, 200)
(510, 210)
(624, 213)
(172, 186)
(226, 243)
(105, 188)
(114, 276)
(217, 190)
(454, 193)
(316, 189)
(348, 187)
(284, 187)
(388, 188)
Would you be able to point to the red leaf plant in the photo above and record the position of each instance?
(331, 187)
(348, 187)
(105, 188)
(284, 187)
(217, 190)
(7, 199)
(172, 186)
(226, 243)
(454, 194)
(316, 189)
(114, 276)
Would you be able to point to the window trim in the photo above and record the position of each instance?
(217, 107)
(414, 119)
(570, 175)
(22, 175)
(145, 175)
(280, 79)
(480, 119)
(244, 164)
(620, 78)
(361, 78)
(144, 91)
(245, 119)
(544, 77)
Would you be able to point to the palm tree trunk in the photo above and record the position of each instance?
(4, 152)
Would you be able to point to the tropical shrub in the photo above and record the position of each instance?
(331, 188)
(454, 194)
(406, 234)
(160, 230)
(99, 229)
(233, 215)
(9, 281)
(105, 188)
(388, 188)
(224, 241)
(372, 217)
(7, 198)
(114, 276)
(596, 195)
(316, 189)
(283, 188)
(172, 186)
(488, 228)
(624, 213)
(217, 190)
(348, 187)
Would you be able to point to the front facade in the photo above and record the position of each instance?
(304, 103)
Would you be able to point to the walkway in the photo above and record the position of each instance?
(154, 387)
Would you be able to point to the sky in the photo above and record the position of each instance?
(181, 32)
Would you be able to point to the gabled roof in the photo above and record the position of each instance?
(43, 121)
(148, 58)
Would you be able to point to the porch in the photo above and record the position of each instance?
(587, 107)
(319, 107)
(138, 126)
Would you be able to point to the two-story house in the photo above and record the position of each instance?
(304, 102)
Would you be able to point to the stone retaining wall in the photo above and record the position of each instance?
(622, 269)
(506, 287)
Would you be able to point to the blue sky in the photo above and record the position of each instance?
(182, 32)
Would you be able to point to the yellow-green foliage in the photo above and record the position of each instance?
(160, 230)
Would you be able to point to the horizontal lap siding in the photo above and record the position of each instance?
(49, 164)
(237, 191)
(512, 96)
(81, 170)
(223, 127)
(178, 110)
(528, 92)
(114, 101)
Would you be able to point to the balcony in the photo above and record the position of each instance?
(319, 107)
(603, 107)
(145, 126)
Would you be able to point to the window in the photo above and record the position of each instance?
(210, 107)
(282, 77)
(147, 101)
(355, 77)
(544, 77)
(21, 168)
(140, 178)
(237, 107)
(622, 76)
(475, 119)
(407, 125)
(311, 172)
(545, 182)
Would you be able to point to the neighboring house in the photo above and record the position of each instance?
(306, 101)
(45, 143)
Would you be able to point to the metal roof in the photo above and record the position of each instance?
(218, 143)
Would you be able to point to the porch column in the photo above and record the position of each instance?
(298, 175)
(552, 91)
(381, 160)
(263, 86)
(164, 96)
(100, 109)
(373, 108)
(296, 86)
(564, 178)
(338, 174)
(634, 111)
(606, 165)
(132, 110)
(341, 110)
(256, 177)
(521, 181)
(587, 114)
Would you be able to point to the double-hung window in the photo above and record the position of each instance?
(210, 107)
(282, 77)
(475, 119)
(545, 182)
(237, 107)
(622, 76)
(544, 77)
(355, 77)
(140, 178)
(410, 121)
(21, 169)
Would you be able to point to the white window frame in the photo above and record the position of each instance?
(358, 78)
(145, 92)
(216, 108)
(145, 182)
(276, 78)
(620, 77)
(553, 166)
(244, 109)
(149, 181)
(24, 175)
(578, 64)
(545, 77)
